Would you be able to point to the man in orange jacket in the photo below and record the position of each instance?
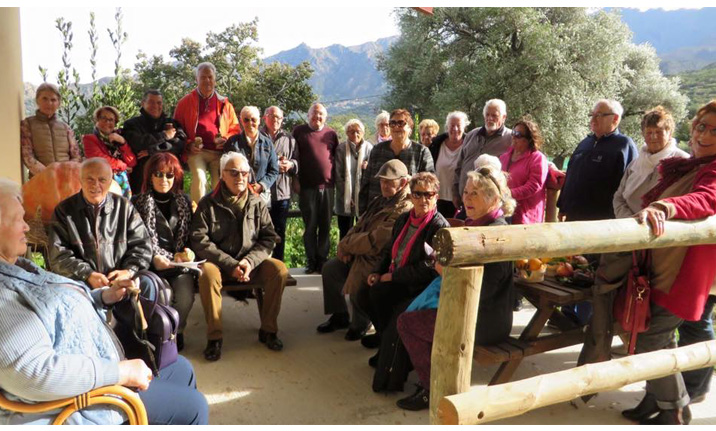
(209, 120)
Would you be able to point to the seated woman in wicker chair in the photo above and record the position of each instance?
(55, 343)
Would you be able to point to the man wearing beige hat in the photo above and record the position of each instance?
(359, 252)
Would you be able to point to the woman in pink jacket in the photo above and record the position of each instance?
(527, 172)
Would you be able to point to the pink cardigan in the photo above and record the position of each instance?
(526, 180)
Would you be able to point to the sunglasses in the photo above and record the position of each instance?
(250, 120)
(235, 173)
(597, 116)
(519, 135)
(703, 127)
(420, 195)
(167, 175)
(397, 123)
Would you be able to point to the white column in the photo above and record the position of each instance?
(11, 94)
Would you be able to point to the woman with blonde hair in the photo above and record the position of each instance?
(487, 202)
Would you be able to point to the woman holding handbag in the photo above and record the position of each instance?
(166, 212)
(681, 277)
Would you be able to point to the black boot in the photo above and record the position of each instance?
(646, 409)
(420, 400)
(180, 342)
(336, 321)
(213, 350)
(670, 417)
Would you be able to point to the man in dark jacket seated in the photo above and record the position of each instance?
(232, 230)
(96, 236)
(152, 132)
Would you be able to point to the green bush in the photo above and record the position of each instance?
(294, 255)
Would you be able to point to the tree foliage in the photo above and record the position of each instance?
(549, 63)
(240, 73)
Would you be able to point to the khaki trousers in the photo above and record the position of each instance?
(271, 274)
(199, 164)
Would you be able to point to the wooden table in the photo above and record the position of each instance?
(546, 296)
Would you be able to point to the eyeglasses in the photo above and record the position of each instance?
(107, 119)
(598, 115)
(397, 123)
(167, 175)
(275, 117)
(235, 173)
(518, 135)
(250, 120)
(420, 195)
(703, 127)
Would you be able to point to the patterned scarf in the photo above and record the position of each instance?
(415, 221)
(671, 170)
(113, 148)
(148, 210)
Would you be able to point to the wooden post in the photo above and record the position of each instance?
(489, 403)
(463, 246)
(454, 340)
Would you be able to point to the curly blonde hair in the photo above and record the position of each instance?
(492, 184)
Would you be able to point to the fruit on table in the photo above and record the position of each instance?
(522, 264)
(579, 260)
(534, 264)
(565, 270)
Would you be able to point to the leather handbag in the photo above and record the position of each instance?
(632, 303)
(147, 328)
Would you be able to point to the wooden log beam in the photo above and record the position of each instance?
(488, 403)
(463, 246)
(454, 340)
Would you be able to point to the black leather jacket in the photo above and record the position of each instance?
(82, 242)
(144, 132)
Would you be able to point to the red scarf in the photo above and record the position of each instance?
(415, 221)
(487, 219)
(671, 170)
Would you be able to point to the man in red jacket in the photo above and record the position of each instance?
(209, 120)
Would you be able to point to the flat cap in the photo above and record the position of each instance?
(392, 170)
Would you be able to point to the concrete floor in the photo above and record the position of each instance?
(323, 379)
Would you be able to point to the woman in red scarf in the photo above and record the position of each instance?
(405, 271)
(682, 277)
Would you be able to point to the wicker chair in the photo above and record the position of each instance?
(118, 396)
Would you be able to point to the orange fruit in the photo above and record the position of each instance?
(535, 264)
(522, 264)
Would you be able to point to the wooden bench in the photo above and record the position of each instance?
(255, 287)
(546, 296)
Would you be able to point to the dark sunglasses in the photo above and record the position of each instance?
(518, 135)
(167, 175)
(397, 123)
(420, 195)
(235, 172)
(250, 120)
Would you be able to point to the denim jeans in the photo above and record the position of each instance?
(698, 381)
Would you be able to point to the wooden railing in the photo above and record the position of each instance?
(464, 250)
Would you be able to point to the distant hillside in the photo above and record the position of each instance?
(699, 85)
(341, 72)
(684, 39)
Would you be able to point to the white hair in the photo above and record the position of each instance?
(8, 189)
(488, 160)
(384, 116)
(354, 122)
(275, 108)
(95, 161)
(252, 110)
(316, 105)
(231, 155)
(495, 102)
(460, 116)
(205, 65)
(613, 105)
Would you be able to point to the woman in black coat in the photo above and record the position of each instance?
(166, 212)
(405, 271)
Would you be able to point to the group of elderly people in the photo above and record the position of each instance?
(390, 197)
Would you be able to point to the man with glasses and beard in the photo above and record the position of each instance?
(232, 230)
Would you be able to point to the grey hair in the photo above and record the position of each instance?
(488, 160)
(251, 109)
(8, 189)
(495, 102)
(95, 161)
(46, 86)
(492, 184)
(460, 116)
(315, 106)
(613, 105)
(275, 108)
(205, 65)
(231, 155)
(354, 122)
(384, 116)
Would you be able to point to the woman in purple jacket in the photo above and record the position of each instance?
(527, 172)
